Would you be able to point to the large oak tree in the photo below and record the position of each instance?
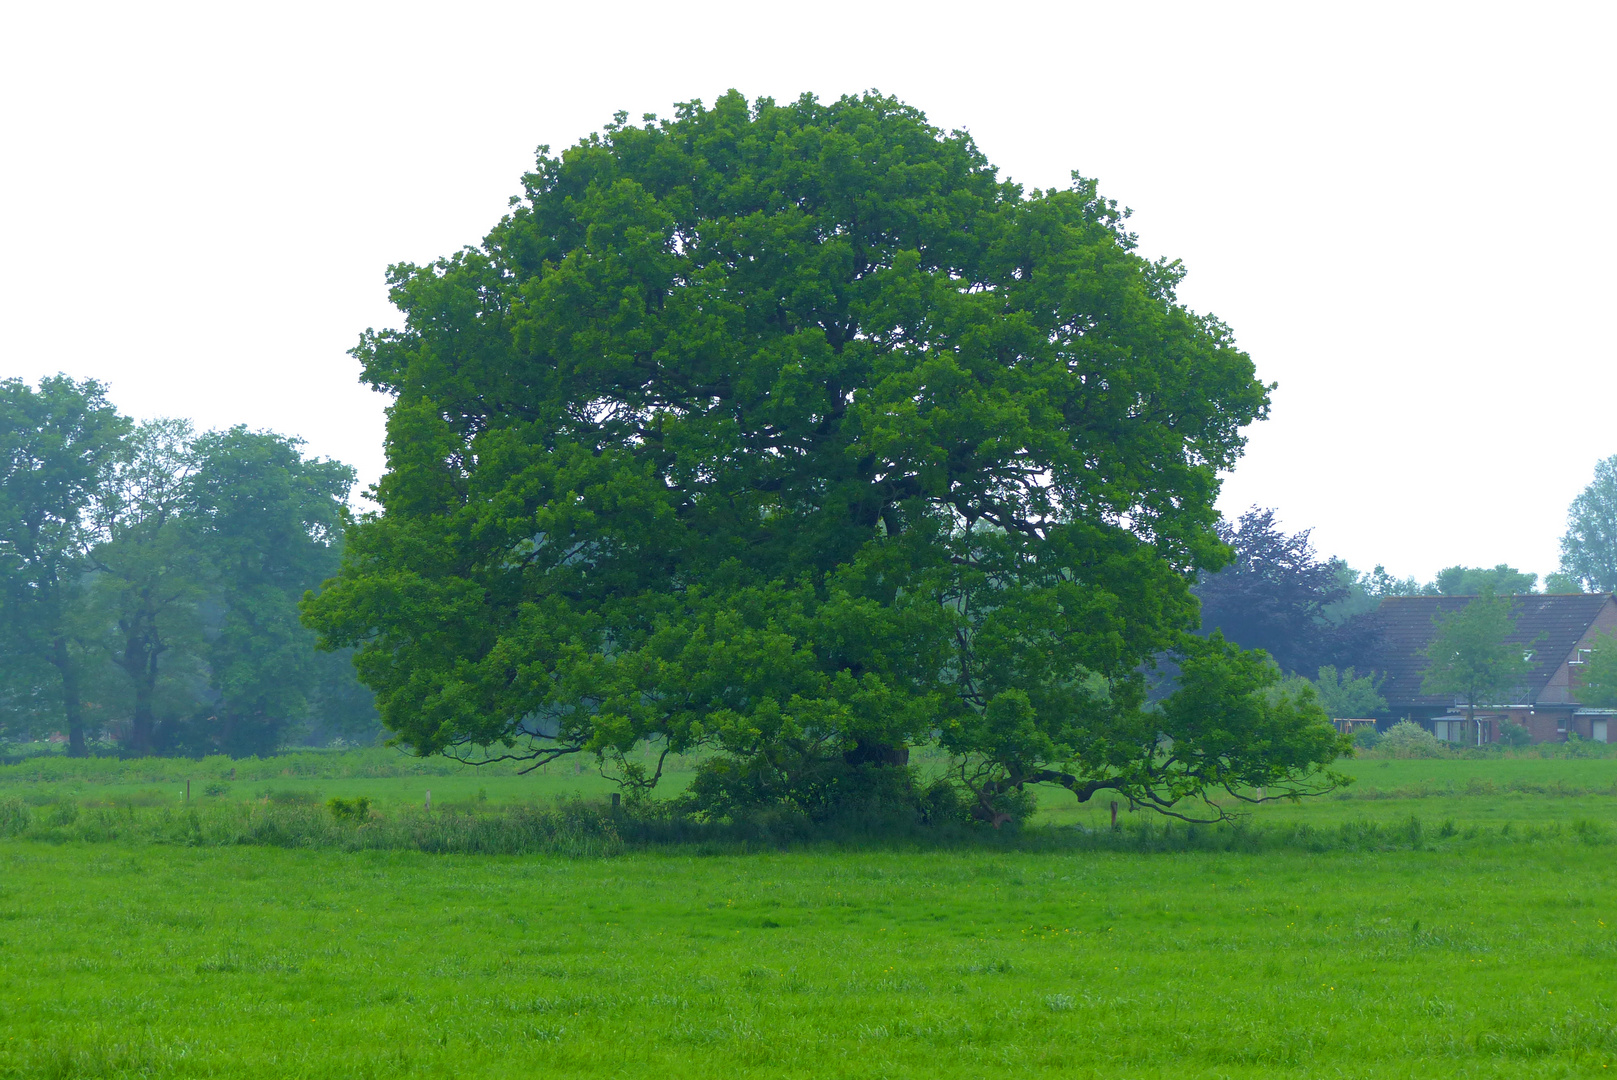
(794, 432)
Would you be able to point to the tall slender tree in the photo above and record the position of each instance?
(268, 523)
(150, 571)
(1589, 548)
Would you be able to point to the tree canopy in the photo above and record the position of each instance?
(794, 432)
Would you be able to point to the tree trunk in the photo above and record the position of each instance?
(69, 671)
(142, 723)
(140, 662)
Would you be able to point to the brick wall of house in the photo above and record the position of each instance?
(1564, 681)
(1543, 726)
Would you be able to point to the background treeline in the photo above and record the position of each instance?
(1308, 612)
(150, 579)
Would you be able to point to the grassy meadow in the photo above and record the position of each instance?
(1447, 917)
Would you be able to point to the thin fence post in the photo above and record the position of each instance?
(1114, 813)
(429, 800)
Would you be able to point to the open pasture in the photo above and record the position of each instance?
(1476, 936)
(1493, 960)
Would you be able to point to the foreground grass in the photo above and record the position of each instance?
(1487, 957)
(1442, 917)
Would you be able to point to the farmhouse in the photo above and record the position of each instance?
(1556, 632)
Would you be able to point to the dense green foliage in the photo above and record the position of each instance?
(791, 431)
(1589, 548)
(151, 579)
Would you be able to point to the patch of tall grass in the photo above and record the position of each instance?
(374, 762)
(581, 828)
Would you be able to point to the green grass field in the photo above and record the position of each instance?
(1482, 943)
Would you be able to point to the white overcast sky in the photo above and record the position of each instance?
(1404, 210)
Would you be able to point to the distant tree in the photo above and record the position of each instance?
(1380, 584)
(1276, 594)
(1560, 582)
(1366, 738)
(1359, 600)
(267, 522)
(1589, 548)
(151, 572)
(58, 444)
(1472, 658)
(1343, 694)
(1500, 580)
(30, 695)
(341, 708)
(1598, 683)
